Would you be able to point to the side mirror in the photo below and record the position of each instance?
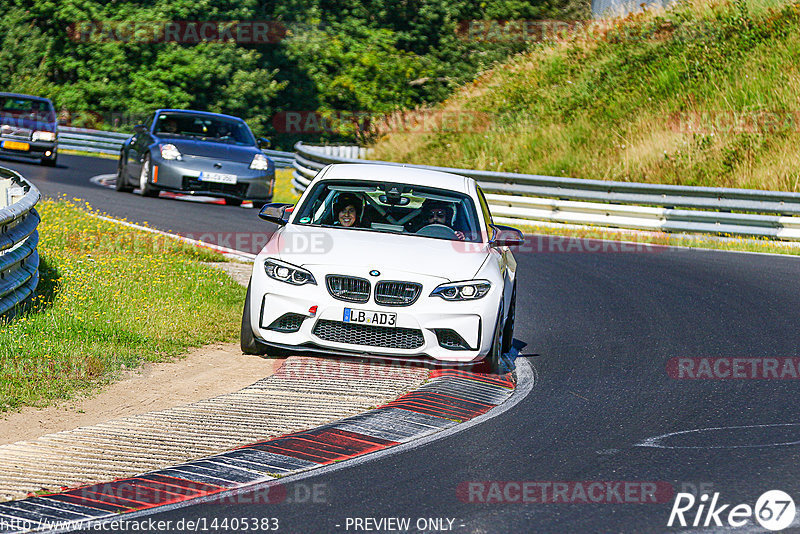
(263, 143)
(139, 128)
(276, 212)
(506, 236)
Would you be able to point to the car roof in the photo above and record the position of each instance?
(397, 173)
(29, 97)
(195, 112)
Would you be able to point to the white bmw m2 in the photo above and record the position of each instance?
(385, 261)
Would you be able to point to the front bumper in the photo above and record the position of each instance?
(36, 149)
(183, 176)
(419, 333)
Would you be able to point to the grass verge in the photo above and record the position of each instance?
(110, 298)
(703, 93)
(92, 154)
(284, 190)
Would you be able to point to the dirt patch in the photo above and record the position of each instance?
(204, 373)
(240, 272)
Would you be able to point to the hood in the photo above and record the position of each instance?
(309, 246)
(210, 149)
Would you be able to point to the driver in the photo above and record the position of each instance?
(169, 126)
(439, 212)
(347, 210)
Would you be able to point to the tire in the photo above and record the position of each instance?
(122, 181)
(147, 190)
(508, 329)
(248, 342)
(491, 363)
(258, 204)
(233, 201)
(47, 162)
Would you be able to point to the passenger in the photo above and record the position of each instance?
(439, 212)
(347, 210)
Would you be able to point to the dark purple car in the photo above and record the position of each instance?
(28, 127)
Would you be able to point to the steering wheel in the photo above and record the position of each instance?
(437, 230)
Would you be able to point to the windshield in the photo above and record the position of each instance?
(390, 207)
(26, 108)
(204, 127)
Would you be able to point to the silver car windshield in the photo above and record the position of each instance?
(204, 127)
(390, 207)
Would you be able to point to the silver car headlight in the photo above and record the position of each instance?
(259, 163)
(470, 290)
(286, 272)
(170, 151)
(41, 135)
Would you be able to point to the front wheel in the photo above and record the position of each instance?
(249, 343)
(145, 188)
(49, 162)
(491, 363)
(508, 329)
(122, 179)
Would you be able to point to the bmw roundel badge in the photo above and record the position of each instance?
(374, 272)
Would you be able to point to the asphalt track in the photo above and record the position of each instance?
(599, 328)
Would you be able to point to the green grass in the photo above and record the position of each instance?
(91, 154)
(613, 103)
(284, 192)
(109, 296)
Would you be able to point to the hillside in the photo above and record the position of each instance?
(704, 93)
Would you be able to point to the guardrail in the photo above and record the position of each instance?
(100, 142)
(523, 199)
(19, 259)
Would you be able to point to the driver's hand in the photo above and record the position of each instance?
(460, 235)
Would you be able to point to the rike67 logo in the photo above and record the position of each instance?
(774, 510)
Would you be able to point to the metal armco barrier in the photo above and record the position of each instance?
(86, 140)
(19, 259)
(528, 199)
(101, 142)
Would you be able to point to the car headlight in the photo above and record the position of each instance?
(260, 162)
(170, 151)
(471, 290)
(286, 272)
(41, 135)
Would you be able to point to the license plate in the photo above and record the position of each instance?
(217, 178)
(16, 145)
(370, 317)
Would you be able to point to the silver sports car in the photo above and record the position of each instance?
(197, 153)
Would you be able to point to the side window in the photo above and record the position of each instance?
(149, 122)
(487, 215)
